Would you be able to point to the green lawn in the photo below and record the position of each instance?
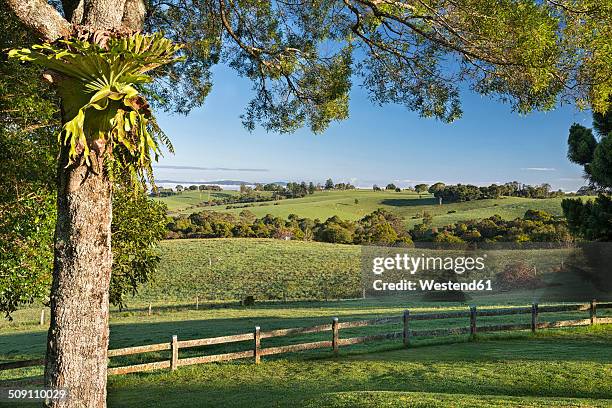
(555, 369)
(569, 367)
(560, 368)
(409, 205)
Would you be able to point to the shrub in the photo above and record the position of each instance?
(519, 275)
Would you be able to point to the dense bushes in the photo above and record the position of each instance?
(380, 227)
(535, 226)
(590, 219)
(467, 192)
(519, 275)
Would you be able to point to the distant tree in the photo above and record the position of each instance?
(356, 201)
(436, 187)
(376, 188)
(391, 186)
(179, 188)
(329, 184)
(311, 188)
(586, 191)
(398, 190)
(421, 188)
(244, 189)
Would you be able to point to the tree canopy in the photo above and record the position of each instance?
(303, 58)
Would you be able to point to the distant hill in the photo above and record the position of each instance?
(354, 204)
(220, 182)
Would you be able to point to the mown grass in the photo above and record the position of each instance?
(406, 204)
(540, 371)
(24, 339)
(560, 368)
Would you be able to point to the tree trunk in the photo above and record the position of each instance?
(78, 335)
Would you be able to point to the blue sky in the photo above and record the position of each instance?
(489, 144)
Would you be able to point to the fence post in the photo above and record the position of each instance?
(197, 302)
(174, 346)
(149, 312)
(257, 336)
(406, 333)
(473, 321)
(42, 317)
(534, 317)
(593, 311)
(335, 335)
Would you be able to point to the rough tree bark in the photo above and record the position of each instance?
(78, 335)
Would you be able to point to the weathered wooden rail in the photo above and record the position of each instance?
(256, 351)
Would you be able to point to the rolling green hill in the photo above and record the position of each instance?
(187, 200)
(222, 269)
(355, 204)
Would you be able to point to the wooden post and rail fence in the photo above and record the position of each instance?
(335, 342)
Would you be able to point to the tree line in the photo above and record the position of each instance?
(468, 192)
(379, 227)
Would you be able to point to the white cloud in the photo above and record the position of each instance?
(572, 179)
(538, 168)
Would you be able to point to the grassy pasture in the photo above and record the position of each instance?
(561, 368)
(570, 367)
(188, 199)
(525, 371)
(409, 205)
(229, 269)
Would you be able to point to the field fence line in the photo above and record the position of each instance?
(256, 351)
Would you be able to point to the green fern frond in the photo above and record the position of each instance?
(103, 92)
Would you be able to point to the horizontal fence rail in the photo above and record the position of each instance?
(336, 342)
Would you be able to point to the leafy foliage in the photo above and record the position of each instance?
(468, 192)
(592, 220)
(26, 249)
(103, 105)
(138, 225)
(581, 144)
(302, 58)
(29, 121)
(380, 227)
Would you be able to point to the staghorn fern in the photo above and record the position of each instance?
(99, 89)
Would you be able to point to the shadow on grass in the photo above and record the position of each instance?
(409, 202)
(538, 367)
